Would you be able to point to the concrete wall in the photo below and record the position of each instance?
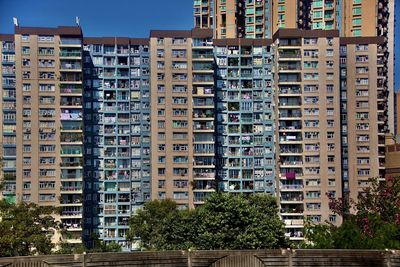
(242, 258)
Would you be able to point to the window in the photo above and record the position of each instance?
(357, 22)
(357, 32)
(161, 171)
(25, 50)
(26, 87)
(180, 147)
(161, 159)
(25, 37)
(180, 159)
(179, 124)
(161, 100)
(161, 124)
(45, 38)
(357, 11)
(27, 185)
(317, 3)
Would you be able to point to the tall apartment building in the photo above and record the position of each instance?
(182, 116)
(8, 126)
(306, 82)
(299, 114)
(49, 134)
(262, 18)
(245, 116)
(365, 118)
(203, 13)
(117, 139)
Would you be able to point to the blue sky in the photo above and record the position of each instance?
(133, 18)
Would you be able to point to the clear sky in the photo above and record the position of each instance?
(131, 18)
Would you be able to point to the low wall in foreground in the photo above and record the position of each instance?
(217, 258)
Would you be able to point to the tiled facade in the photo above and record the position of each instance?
(117, 139)
(98, 126)
(245, 116)
(8, 128)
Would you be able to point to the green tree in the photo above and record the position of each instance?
(228, 221)
(149, 223)
(371, 222)
(225, 221)
(25, 229)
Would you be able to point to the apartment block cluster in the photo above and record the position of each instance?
(290, 98)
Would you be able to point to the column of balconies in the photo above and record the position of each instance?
(8, 98)
(71, 137)
(245, 120)
(289, 89)
(115, 185)
(203, 120)
(140, 125)
(254, 19)
(382, 100)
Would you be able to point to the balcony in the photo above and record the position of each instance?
(290, 55)
(71, 116)
(294, 223)
(70, 78)
(70, 66)
(76, 54)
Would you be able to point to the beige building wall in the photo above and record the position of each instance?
(225, 19)
(308, 100)
(367, 114)
(392, 163)
(42, 154)
(29, 126)
(165, 134)
(289, 13)
(368, 16)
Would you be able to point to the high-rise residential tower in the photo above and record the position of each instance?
(365, 111)
(182, 116)
(117, 139)
(8, 126)
(49, 137)
(245, 116)
(306, 82)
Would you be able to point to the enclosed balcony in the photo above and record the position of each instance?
(71, 137)
(290, 54)
(71, 162)
(70, 66)
(70, 114)
(70, 78)
(291, 197)
(71, 52)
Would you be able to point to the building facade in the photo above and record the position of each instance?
(117, 139)
(245, 117)
(9, 118)
(290, 98)
(49, 139)
(306, 79)
(182, 92)
(365, 111)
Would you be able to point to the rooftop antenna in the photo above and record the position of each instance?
(77, 20)
(15, 20)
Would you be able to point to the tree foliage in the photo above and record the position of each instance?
(225, 221)
(25, 229)
(371, 222)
